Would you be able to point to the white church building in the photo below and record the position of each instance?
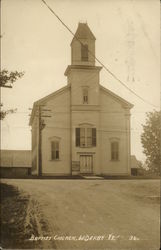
(88, 132)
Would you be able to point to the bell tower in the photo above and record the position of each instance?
(82, 74)
(83, 46)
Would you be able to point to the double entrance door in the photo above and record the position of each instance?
(86, 164)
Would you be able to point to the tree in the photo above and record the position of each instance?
(150, 140)
(7, 77)
(6, 81)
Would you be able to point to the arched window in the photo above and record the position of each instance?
(84, 52)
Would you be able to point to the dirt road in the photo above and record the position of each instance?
(94, 214)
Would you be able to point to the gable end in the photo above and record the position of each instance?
(125, 104)
(45, 99)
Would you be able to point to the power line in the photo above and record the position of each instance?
(133, 130)
(109, 71)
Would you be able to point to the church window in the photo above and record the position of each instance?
(89, 137)
(77, 132)
(82, 137)
(84, 52)
(114, 150)
(85, 137)
(94, 137)
(55, 150)
(85, 96)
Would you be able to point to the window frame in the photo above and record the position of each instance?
(55, 140)
(82, 137)
(114, 149)
(86, 136)
(85, 93)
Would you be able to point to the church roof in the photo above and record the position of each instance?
(84, 32)
(44, 99)
(118, 98)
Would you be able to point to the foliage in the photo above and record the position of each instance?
(6, 81)
(9, 77)
(150, 140)
(3, 113)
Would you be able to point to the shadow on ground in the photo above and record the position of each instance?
(19, 220)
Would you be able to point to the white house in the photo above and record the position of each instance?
(89, 128)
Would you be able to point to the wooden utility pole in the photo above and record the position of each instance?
(39, 144)
(41, 125)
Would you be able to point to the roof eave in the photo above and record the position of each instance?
(126, 103)
(43, 100)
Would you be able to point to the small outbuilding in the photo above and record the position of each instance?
(134, 165)
(15, 163)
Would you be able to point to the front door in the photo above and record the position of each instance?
(86, 164)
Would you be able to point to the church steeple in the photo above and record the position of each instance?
(82, 74)
(82, 43)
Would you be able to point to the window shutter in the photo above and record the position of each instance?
(94, 137)
(77, 137)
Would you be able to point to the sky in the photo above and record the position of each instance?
(34, 41)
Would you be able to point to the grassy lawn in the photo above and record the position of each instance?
(94, 214)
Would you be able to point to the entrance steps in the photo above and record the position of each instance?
(92, 177)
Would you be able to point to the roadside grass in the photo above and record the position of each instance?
(14, 235)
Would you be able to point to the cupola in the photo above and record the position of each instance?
(83, 46)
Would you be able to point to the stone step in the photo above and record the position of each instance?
(92, 177)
